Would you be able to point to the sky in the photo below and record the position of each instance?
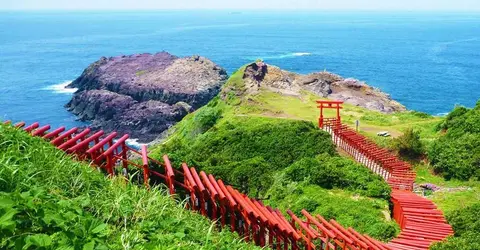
(432, 5)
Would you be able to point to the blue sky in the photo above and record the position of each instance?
(443, 5)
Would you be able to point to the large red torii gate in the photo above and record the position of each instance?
(330, 105)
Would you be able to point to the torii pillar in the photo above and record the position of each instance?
(330, 105)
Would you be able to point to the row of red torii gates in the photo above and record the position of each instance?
(420, 220)
(263, 225)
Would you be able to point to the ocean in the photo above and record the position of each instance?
(428, 61)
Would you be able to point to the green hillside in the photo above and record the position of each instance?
(49, 201)
(281, 158)
(267, 145)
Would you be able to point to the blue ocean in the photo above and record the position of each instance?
(427, 61)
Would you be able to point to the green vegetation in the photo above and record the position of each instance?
(409, 144)
(49, 201)
(336, 188)
(253, 143)
(140, 72)
(466, 225)
(457, 153)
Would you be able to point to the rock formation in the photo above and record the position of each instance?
(261, 75)
(144, 94)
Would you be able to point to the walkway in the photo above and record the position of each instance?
(420, 220)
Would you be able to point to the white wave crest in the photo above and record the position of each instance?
(61, 88)
(301, 54)
(282, 56)
(134, 143)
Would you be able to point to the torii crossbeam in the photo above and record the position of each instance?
(330, 105)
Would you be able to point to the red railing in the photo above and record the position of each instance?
(420, 220)
(250, 218)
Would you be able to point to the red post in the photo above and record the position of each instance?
(145, 166)
(328, 104)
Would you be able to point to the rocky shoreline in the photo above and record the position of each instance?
(144, 94)
(260, 75)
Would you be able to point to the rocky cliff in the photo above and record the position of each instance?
(261, 75)
(144, 94)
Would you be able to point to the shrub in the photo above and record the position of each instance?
(409, 145)
(253, 176)
(278, 142)
(363, 214)
(457, 153)
(457, 158)
(337, 172)
(466, 225)
(453, 118)
(206, 118)
(465, 220)
(469, 241)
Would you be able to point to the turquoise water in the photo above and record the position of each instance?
(427, 61)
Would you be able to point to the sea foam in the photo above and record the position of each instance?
(61, 88)
(281, 56)
(134, 143)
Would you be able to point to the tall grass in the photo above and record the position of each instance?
(49, 201)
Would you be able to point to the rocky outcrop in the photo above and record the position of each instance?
(144, 94)
(261, 75)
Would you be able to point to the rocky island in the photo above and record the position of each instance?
(144, 94)
(260, 75)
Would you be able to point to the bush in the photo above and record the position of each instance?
(253, 176)
(278, 142)
(457, 153)
(409, 145)
(457, 158)
(465, 220)
(453, 118)
(337, 172)
(206, 118)
(469, 241)
(363, 214)
(466, 225)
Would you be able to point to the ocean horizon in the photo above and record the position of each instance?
(428, 61)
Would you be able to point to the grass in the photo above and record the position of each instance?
(140, 72)
(455, 194)
(248, 144)
(49, 201)
(364, 214)
(304, 108)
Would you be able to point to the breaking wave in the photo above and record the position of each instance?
(134, 143)
(61, 88)
(281, 56)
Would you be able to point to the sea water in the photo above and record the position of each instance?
(428, 61)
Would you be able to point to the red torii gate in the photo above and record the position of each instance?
(330, 105)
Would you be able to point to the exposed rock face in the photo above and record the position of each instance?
(261, 75)
(144, 94)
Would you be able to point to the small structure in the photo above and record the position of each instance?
(383, 133)
(322, 104)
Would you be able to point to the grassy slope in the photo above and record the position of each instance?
(304, 108)
(220, 148)
(456, 194)
(48, 201)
